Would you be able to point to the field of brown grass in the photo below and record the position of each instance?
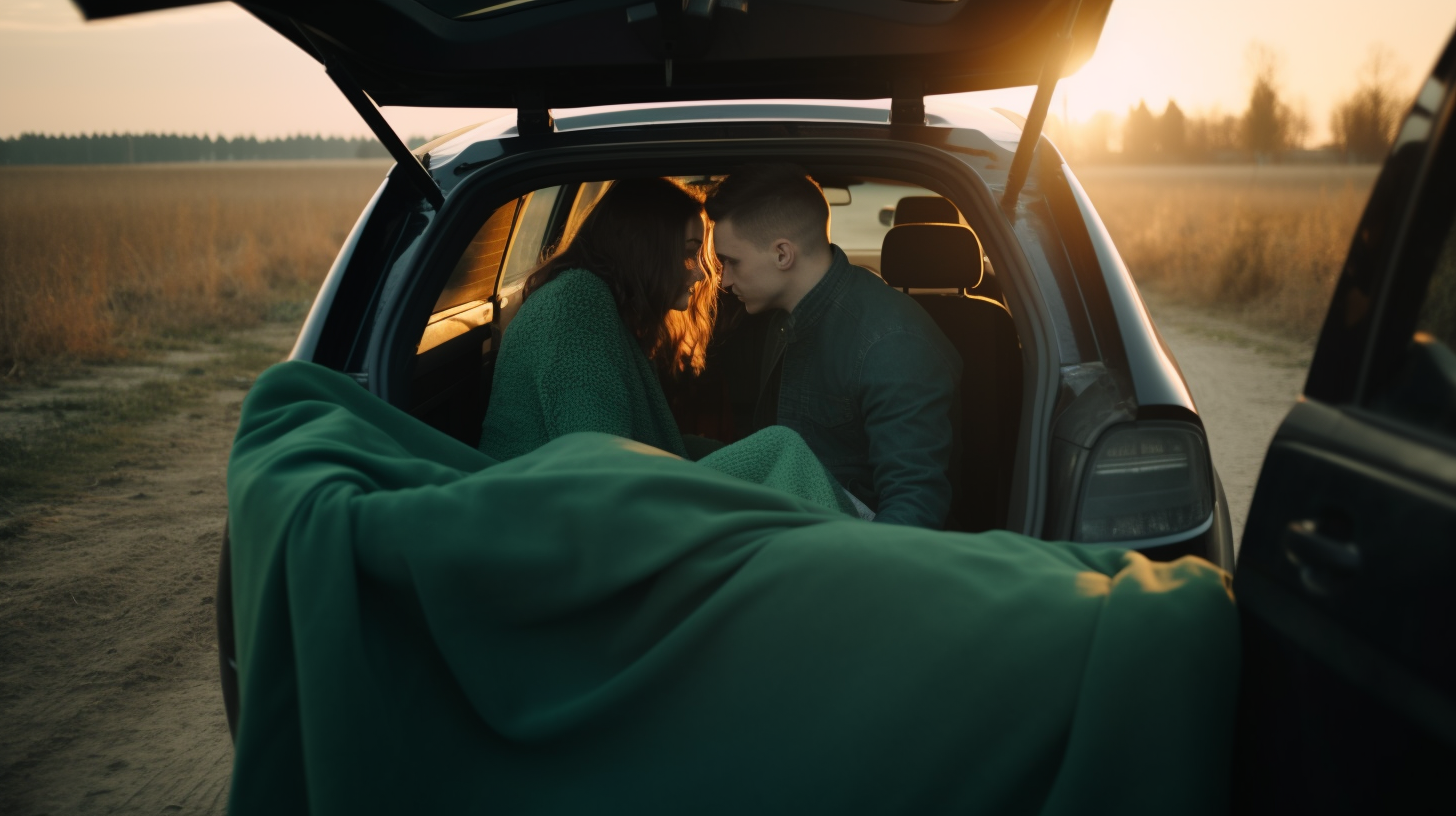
(1261, 244)
(100, 262)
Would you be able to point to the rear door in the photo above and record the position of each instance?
(1345, 580)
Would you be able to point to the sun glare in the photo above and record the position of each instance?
(1199, 56)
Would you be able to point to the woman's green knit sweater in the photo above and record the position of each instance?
(568, 363)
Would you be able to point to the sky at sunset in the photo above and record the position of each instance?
(216, 70)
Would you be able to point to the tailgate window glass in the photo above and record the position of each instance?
(1422, 389)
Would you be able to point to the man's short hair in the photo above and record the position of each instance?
(768, 201)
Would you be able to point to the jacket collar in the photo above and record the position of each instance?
(824, 294)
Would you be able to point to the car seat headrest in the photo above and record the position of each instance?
(931, 256)
(926, 210)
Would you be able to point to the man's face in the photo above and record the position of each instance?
(754, 273)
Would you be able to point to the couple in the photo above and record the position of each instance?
(857, 373)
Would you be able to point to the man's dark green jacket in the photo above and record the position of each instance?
(868, 381)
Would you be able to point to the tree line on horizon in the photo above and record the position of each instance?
(1362, 125)
(1271, 127)
(138, 148)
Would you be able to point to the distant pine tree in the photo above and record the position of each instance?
(1140, 133)
(1173, 133)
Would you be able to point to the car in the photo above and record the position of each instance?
(1075, 422)
(1079, 426)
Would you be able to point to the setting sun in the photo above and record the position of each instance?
(1199, 55)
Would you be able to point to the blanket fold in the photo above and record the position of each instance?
(597, 627)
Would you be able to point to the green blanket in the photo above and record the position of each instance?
(596, 627)
(568, 364)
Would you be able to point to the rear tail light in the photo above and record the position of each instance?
(1145, 480)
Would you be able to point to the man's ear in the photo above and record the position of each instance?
(785, 253)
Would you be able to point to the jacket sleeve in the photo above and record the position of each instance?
(908, 387)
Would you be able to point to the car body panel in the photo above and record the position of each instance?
(1163, 385)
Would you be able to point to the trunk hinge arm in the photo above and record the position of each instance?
(406, 162)
(1051, 71)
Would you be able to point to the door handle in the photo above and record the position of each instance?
(1324, 563)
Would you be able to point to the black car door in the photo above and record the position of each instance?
(1348, 699)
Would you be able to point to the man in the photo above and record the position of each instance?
(856, 367)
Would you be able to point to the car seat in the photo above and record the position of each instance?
(925, 210)
(986, 415)
(937, 210)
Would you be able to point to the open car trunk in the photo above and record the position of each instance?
(540, 54)
(454, 359)
(535, 55)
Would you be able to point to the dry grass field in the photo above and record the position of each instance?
(1260, 244)
(99, 262)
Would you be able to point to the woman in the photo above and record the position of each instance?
(632, 289)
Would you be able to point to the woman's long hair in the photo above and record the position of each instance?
(633, 240)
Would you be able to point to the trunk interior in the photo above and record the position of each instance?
(480, 291)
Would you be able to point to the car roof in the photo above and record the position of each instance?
(1001, 128)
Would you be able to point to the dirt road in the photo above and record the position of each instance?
(1244, 383)
(108, 657)
(108, 663)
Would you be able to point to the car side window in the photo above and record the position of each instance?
(529, 240)
(464, 305)
(474, 275)
(586, 198)
(1438, 310)
(1421, 390)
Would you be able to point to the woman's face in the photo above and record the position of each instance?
(692, 267)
